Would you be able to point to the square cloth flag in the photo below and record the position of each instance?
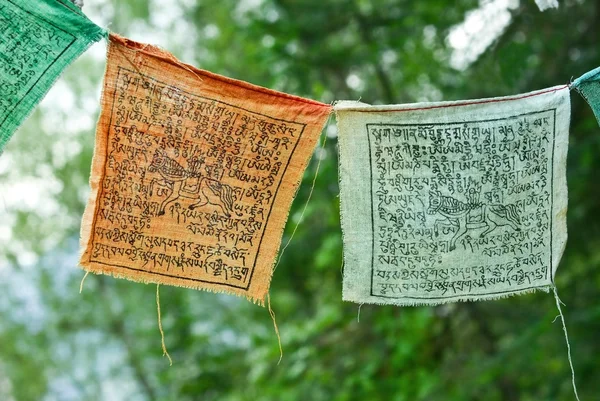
(588, 85)
(453, 201)
(193, 174)
(38, 39)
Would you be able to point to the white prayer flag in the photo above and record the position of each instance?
(453, 201)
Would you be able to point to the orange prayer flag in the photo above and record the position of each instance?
(193, 174)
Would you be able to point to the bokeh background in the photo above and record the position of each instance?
(104, 344)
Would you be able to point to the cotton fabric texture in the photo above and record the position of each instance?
(588, 85)
(193, 174)
(38, 40)
(453, 201)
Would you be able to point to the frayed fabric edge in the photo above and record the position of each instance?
(148, 280)
(587, 100)
(98, 161)
(161, 54)
(283, 245)
(590, 75)
(341, 203)
(435, 302)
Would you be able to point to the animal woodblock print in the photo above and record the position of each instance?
(193, 174)
(453, 201)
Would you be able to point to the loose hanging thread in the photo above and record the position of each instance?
(82, 280)
(162, 333)
(562, 318)
(312, 188)
(276, 328)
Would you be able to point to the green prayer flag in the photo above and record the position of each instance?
(38, 40)
(588, 85)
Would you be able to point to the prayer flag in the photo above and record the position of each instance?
(588, 85)
(453, 201)
(38, 40)
(193, 174)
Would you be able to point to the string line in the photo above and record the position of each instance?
(312, 189)
(358, 315)
(272, 313)
(82, 280)
(460, 104)
(562, 318)
(162, 333)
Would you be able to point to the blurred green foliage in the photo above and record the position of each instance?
(104, 344)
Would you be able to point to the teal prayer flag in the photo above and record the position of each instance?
(38, 40)
(588, 86)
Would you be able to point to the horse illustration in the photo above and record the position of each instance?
(470, 215)
(176, 178)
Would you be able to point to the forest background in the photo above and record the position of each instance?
(56, 344)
